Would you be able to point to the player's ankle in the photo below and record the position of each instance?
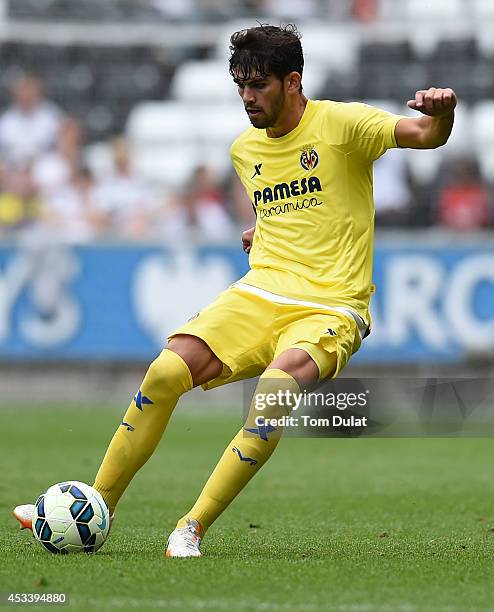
(104, 494)
(186, 520)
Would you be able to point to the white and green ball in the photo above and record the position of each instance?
(71, 517)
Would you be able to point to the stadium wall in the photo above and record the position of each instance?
(434, 301)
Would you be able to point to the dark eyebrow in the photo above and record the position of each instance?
(250, 81)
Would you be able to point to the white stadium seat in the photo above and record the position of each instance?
(172, 168)
(483, 137)
(427, 10)
(175, 122)
(482, 9)
(425, 39)
(290, 9)
(166, 165)
(216, 157)
(170, 138)
(334, 47)
(460, 142)
(314, 77)
(390, 10)
(485, 38)
(157, 122)
(486, 163)
(483, 124)
(220, 123)
(424, 164)
(98, 158)
(204, 80)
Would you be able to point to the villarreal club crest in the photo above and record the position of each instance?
(309, 157)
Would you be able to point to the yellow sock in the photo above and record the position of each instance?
(143, 425)
(244, 456)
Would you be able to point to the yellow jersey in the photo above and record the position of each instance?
(312, 193)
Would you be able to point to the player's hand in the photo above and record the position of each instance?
(434, 102)
(247, 238)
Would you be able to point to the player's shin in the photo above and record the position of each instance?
(143, 425)
(247, 452)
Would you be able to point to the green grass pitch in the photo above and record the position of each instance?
(356, 524)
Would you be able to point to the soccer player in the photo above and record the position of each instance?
(301, 311)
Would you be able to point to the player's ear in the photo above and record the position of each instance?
(293, 82)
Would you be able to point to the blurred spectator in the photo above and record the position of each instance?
(30, 125)
(19, 204)
(126, 202)
(53, 170)
(70, 213)
(200, 212)
(365, 10)
(391, 189)
(464, 201)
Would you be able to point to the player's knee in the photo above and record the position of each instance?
(274, 397)
(299, 364)
(168, 371)
(203, 364)
(157, 371)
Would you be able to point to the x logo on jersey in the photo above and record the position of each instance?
(257, 170)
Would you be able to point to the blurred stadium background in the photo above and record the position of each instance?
(120, 216)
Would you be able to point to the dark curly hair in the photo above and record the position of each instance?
(266, 50)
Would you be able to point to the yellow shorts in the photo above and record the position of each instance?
(246, 332)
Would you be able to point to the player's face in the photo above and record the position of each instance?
(263, 98)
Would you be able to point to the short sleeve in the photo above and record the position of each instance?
(235, 157)
(372, 130)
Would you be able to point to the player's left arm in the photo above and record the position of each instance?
(247, 238)
(433, 129)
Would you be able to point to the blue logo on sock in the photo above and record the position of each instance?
(128, 425)
(263, 429)
(242, 458)
(141, 399)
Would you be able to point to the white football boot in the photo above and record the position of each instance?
(185, 542)
(24, 514)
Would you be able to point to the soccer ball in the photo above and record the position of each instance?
(71, 517)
